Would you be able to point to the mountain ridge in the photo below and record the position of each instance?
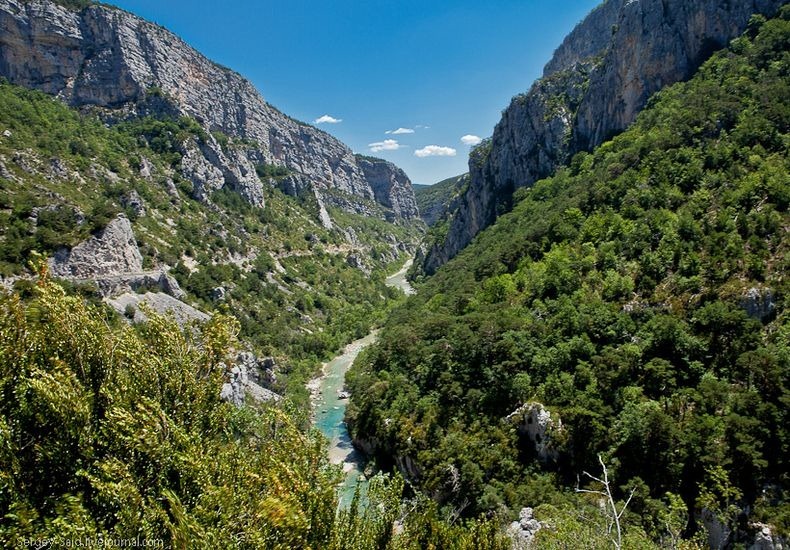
(109, 58)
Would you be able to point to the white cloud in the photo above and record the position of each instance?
(327, 119)
(386, 145)
(435, 151)
(400, 131)
(469, 139)
(420, 126)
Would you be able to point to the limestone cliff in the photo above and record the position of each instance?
(391, 186)
(113, 251)
(113, 262)
(103, 56)
(597, 82)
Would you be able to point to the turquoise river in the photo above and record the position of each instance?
(329, 403)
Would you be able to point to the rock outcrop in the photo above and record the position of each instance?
(766, 538)
(243, 382)
(261, 370)
(112, 260)
(719, 533)
(104, 56)
(128, 304)
(137, 282)
(759, 303)
(534, 421)
(593, 88)
(522, 532)
(391, 186)
(133, 201)
(113, 251)
(355, 261)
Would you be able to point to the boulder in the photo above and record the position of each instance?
(766, 538)
(146, 168)
(759, 303)
(218, 294)
(523, 531)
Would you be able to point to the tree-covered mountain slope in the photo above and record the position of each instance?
(630, 307)
(434, 200)
(299, 289)
(597, 82)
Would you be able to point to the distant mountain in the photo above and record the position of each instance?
(434, 200)
(599, 79)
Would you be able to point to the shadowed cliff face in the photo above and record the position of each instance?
(391, 186)
(595, 85)
(110, 58)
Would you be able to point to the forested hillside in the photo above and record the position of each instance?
(434, 200)
(127, 428)
(638, 298)
(288, 279)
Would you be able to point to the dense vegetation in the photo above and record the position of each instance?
(638, 295)
(112, 433)
(433, 200)
(286, 278)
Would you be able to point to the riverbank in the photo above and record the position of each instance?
(329, 409)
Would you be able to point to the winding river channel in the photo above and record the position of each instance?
(329, 403)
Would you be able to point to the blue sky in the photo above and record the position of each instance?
(442, 69)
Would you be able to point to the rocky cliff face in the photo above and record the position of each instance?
(112, 261)
(107, 57)
(593, 88)
(113, 251)
(391, 186)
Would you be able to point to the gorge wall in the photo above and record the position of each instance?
(595, 85)
(391, 186)
(106, 57)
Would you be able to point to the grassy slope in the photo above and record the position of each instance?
(613, 294)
